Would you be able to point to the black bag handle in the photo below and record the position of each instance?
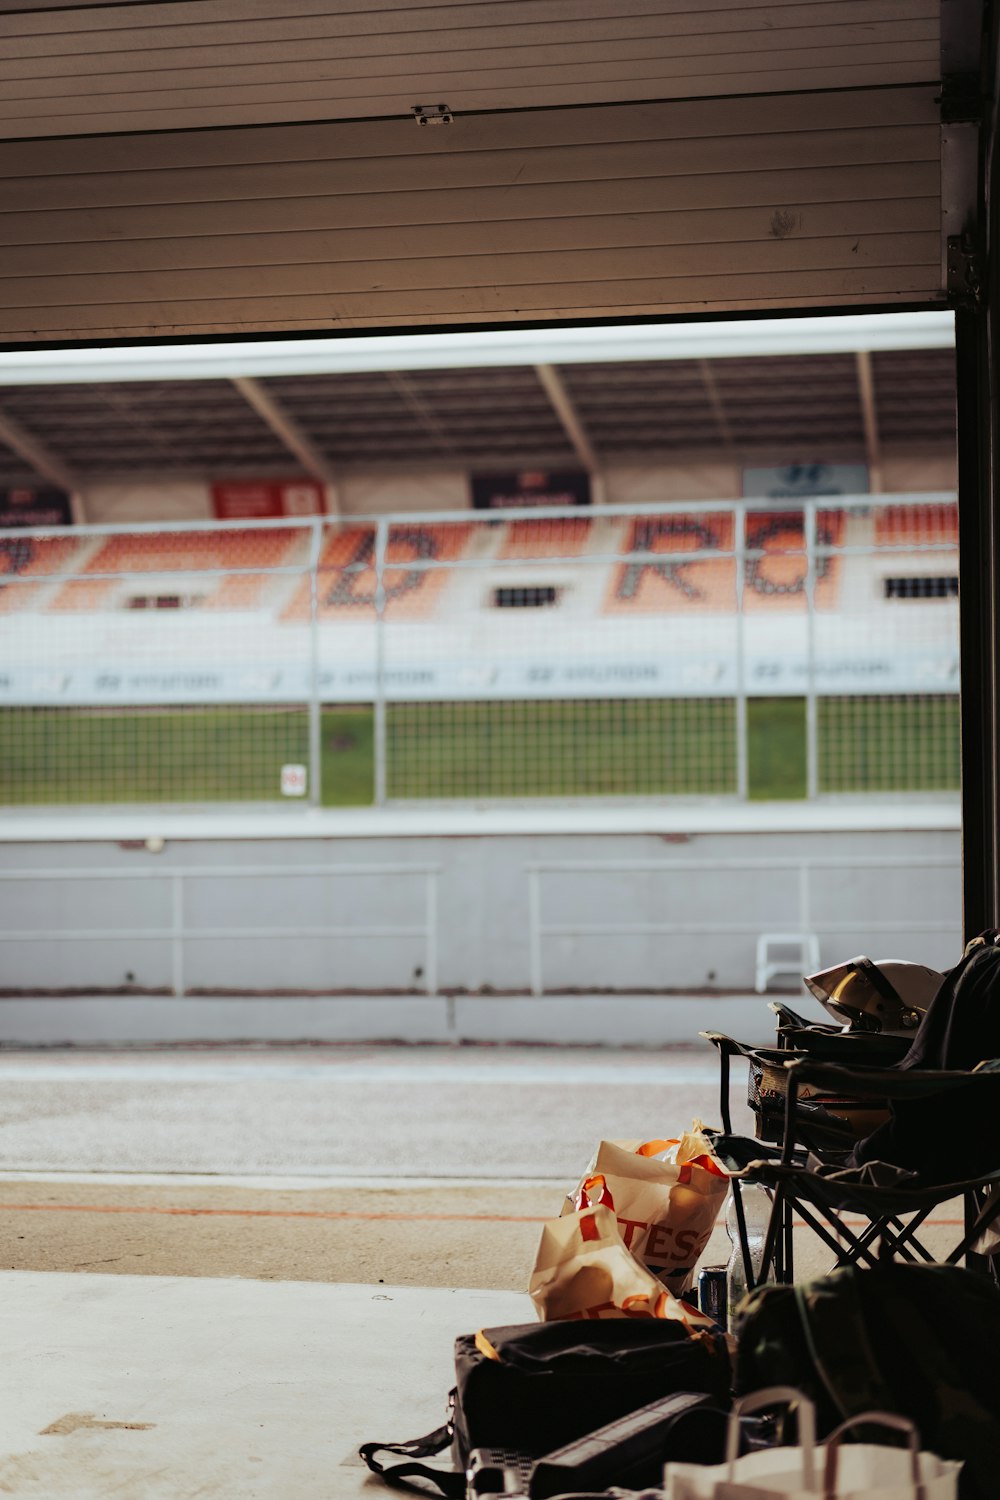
(447, 1481)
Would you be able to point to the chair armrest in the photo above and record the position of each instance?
(730, 1047)
(888, 1083)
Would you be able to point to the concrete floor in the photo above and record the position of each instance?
(170, 1389)
(240, 1335)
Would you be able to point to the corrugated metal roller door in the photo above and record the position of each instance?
(638, 209)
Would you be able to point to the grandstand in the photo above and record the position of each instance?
(698, 608)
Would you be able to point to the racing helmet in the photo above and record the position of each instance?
(888, 996)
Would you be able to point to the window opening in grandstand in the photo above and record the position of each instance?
(163, 601)
(938, 586)
(527, 596)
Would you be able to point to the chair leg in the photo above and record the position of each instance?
(769, 1258)
(741, 1229)
(908, 1235)
(844, 1257)
(980, 1212)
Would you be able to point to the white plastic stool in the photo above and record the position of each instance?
(785, 953)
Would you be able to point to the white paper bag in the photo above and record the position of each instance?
(583, 1270)
(666, 1196)
(832, 1471)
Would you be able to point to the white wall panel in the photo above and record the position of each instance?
(933, 473)
(120, 502)
(688, 207)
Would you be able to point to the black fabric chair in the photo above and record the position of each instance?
(826, 1121)
(903, 1167)
(795, 1033)
(895, 1200)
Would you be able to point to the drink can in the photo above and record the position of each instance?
(712, 1293)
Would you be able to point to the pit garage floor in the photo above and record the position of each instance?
(171, 1387)
(222, 1270)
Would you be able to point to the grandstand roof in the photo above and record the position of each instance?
(777, 390)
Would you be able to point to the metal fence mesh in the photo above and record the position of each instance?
(571, 748)
(725, 650)
(231, 753)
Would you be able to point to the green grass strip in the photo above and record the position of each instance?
(579, 748)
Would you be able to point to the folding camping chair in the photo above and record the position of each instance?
(827, 1121)
(894, 1202)
(960, 1028)
(794, 1033)
(831, 1120)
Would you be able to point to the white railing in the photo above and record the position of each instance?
(180, 934)
(803, 918)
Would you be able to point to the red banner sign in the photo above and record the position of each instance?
(253, 500)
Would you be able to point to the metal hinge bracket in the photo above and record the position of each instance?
(966, 271)
(432, 114)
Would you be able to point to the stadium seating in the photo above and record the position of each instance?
(778, 580)
(347, 572)
(544, 538)
(655, 580)
(188, 559)
(916, 525)
(81, 573)
(37, 558)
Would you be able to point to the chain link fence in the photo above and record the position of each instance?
(734, 650)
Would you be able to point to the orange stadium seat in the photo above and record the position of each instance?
(189, 557)
(916, 525)
(41, 559)
(545, 538)
(778, 581)
(347, 572)
(655, 579)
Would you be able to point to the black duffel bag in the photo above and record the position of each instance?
(528, 1390)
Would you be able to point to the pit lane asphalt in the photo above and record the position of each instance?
(414, 1166)
(406, 1166)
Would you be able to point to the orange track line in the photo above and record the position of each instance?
(262, 1213)
(305, 1213)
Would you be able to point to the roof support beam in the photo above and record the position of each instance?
(290, 434)
(869, 416)
(46, 464)
(438, 435)
(562, 404)
(715, 402)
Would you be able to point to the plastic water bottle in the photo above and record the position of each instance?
(756, 1202)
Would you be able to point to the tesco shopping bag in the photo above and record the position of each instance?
(583, 1269)
(831, 1471)
(666, 1196)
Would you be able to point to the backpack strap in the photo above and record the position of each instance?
(833, 1322)
(447, 1481)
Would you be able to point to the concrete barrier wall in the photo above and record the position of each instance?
(475, 919)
